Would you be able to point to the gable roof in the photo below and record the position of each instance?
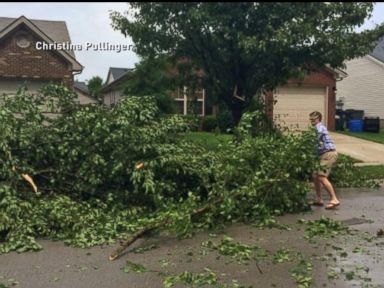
(49, 31)
(81, 86)
(378, 52)
(116, 82)
(337, 72)
(115, 73)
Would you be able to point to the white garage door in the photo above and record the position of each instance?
(295, 103)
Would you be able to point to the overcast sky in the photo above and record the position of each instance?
(89, 22)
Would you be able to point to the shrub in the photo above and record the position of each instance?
(165, 103)
(193, 121)
(345, 174)
(210, 123)
(225, 120)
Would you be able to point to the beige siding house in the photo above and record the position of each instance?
(298, 98)
(363, 89)
(113, 89)
(83, 95)
(111, 97)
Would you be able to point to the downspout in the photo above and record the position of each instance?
(76, 73)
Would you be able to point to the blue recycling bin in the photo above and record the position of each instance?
(355, 125)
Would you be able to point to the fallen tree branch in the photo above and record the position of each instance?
(31, 182)
(26, 177)
(258, 267)
(115, 254)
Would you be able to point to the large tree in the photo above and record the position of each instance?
(151, 77)
(246, 47)
(95, 84)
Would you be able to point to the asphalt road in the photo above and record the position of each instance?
(355, 259)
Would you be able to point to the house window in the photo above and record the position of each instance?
(200, 94)
(195, 107)
(188, 105)
(196, 102)
(180, 107)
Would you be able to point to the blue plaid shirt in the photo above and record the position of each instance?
(325, 142)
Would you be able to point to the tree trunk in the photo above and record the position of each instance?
(237, 112)
(237, 102)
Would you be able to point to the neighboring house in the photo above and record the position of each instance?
(28, 54)
(189, 101)
(84, 97)
(115, 73)
(295, 100)
(113, 90)
(364, 87)
(116, 78)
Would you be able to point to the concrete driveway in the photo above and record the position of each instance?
(370, 153)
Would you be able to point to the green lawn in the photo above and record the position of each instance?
(210, 141)
(372, 172)
(375, 137)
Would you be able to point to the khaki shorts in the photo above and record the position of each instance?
(327, 160)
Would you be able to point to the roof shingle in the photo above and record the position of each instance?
(378, 52)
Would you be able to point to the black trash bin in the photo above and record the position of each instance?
(353, 114)
(340, 120)
(371, 124)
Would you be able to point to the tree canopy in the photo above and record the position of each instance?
(246, 47)
(95, 84)
(151, 77)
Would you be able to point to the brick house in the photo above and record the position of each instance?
(22, 61)
(113, 91)
(289, 104)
